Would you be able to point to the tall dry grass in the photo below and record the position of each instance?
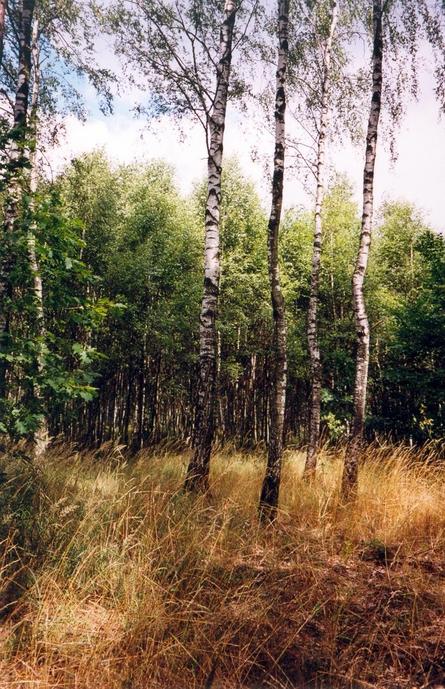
(112, 578)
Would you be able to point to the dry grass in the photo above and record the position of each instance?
(120, 581)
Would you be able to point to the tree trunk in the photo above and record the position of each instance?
(41, 436)
(271, 483)
(128, 406)
(13, 193)
(350, 472)
(138, 441)
(312, 325)
(198, 469)
(3, 8)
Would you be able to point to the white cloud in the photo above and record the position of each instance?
(126, 140)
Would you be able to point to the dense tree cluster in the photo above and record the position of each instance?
(143, 241)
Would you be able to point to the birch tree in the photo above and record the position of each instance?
(198, 469)
(325, 101)
(271, 483)
(312, 327)
(17, 161)
(41, 436)
(406, 23)
(350, 472)
(173, 47)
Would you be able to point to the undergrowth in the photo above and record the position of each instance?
(113, 578)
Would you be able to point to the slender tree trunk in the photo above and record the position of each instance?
(41, 435)
(128, 406)
(312, 324)
(13, 193)
(350, 473)
(3, 8)
(138, 442)
(271, 483)
(198, 469)
(152, 395)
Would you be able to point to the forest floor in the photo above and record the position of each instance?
(112, 578)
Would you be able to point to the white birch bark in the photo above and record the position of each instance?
(271, 483)
(198, 469)
(312, 325)
(350, 472)
(41, 436)
(13, 193)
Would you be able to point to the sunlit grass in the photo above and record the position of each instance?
(122, 580)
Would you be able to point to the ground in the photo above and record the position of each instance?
(113, 577)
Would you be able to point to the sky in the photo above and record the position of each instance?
(418, 175)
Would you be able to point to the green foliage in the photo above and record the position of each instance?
(415, 371)
(52, 357)
(336, 328)
(145, 242)
(245, 304)
(120, 255)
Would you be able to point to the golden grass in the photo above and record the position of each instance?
(121, 581)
